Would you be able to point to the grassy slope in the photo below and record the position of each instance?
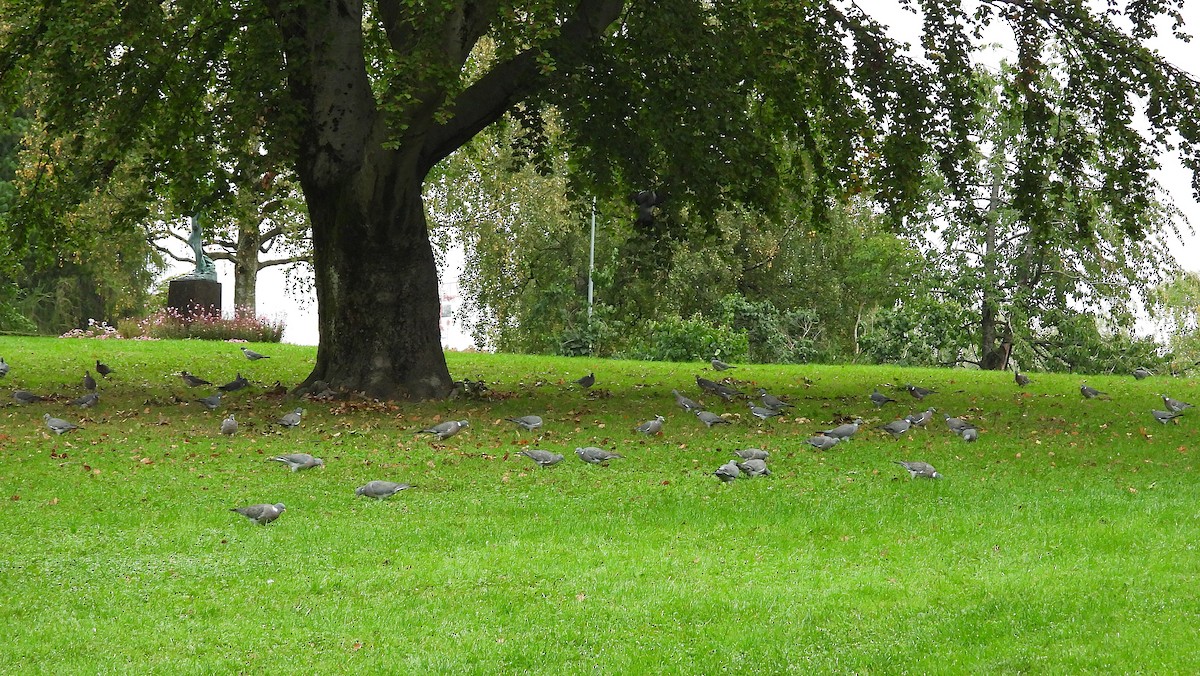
(1063, 541)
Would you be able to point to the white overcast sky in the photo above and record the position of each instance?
(300, 313)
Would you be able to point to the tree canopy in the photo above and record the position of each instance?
(713, 103)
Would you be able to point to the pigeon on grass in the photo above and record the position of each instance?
(89, 383)
(1174, 405)
(752, 454)
(380, 489)
(595, 456)
(710, 419)
(234, 385)
(1141, 373)
(970, 434)
(919, 393)
(719, 365)
(844, 432)
(753, 468)
(879, 398)
(956, 425)
(191, 380)
(822, 442)
(728, 472)
(771, 401)
(542, 458)
(299, 461)
(763, 413)
(921, 470)
(229, 425)
(528, 422)
(922, 418)
(652, 427)
(212, 401)
(252, 355)
(261, 514)
(3, 367)
(25, 397)
(1165, 417)
(1020, 378)
(444, 431)
(685, 403)
(1089, 392)
(103, 369)
(58, 425)
(86, 401)
(896, 428)
(292, 419)
(587, 381)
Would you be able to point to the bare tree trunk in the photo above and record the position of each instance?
(246, 267)
(991, 355)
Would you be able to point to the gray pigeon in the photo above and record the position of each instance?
(771, 401)
(380, 489)
(719, 365)
(919, 469)
(1142, 372)
(922, 418)
(261, 514)
(587, 381)
(228, 425)
(252, 355)
(752, 454)
(1020, 378)
(89, 383)
(919, 393)
(86, 401)
(711, 419)
(728, 472)
(58, 425)
(822, 442)
(212, 401)
(292, 419)
(844, 432)
(3, 367)
(542, 458)
(234, 385)
(685, 403)
(707, 385)
(652, 427)
(754, 467)
(595, 456)
(1165, 417)
(879, 398)
(191, 380)
(1174, 405)
(1090, 392)
(727, 393)
(956, 425)
(763, 413)
(529, 422)
(970, 434)
(103, 369)
(25, 396)
(896, 428)
(445, 430)
(299, 461)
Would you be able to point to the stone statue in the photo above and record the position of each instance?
(205, 269)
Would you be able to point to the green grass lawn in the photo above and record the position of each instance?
(1063, 541)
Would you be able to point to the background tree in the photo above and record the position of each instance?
(697, 97)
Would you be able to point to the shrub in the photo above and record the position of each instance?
(676, 339)
(203, 325)
(774, 337)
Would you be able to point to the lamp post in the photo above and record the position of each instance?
(592, 259)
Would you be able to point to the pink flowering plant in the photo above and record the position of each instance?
(204, 324)
(95, 329)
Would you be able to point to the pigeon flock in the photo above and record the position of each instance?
(748, 463)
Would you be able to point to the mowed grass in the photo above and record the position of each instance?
(1063, 541)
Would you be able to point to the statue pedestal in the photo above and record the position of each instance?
(190, 296)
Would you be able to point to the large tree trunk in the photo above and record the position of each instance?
(377, 289)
